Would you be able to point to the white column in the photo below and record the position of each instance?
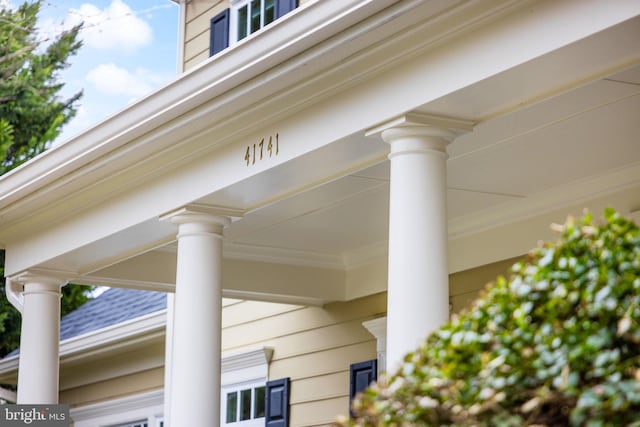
(38, 369)
(195, 361)
(418, 281)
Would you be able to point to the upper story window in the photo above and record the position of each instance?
(248, 16)
(244, 18)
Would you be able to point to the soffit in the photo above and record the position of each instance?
(551, 132)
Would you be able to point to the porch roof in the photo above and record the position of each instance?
(552, 87)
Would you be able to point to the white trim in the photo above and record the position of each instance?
(8, 395)
(242, 370)
(378, 328)
(235, 6)
(91, 150)
(168, 355)
(182, 25)
(282, 256)
(252, 385)
(116, 336)
(146, 406)
(365, 254)
(245, 366)
(13, 289)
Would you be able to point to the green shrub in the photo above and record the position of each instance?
(555, 344)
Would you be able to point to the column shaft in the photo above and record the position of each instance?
(418, 286)
(195, 363)
(38, 370)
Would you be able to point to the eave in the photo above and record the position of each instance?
(95, 345)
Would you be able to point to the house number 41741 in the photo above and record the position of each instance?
(260, 150)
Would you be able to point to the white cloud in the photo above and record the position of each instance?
(115, 27)
(6, 4)
(114, 80)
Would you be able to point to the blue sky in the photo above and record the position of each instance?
(129, 50)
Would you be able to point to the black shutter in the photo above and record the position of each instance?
(219, 32)
(277, 403)
(283, 7)
(361, 376)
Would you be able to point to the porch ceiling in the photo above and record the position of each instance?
(553, 135)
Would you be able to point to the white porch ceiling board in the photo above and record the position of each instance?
(608, 54)
(462, 202)
(300, 204)
(631, 75)
(533, 116)
(585, 145)
(318, 119)
(360, 220)
(501, 240)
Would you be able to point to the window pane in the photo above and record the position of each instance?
(258, 411)
(269, 11)
(255, 15)
(245, 405)
(242, 22)
(232, 407)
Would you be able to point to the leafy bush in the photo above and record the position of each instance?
(556, 344)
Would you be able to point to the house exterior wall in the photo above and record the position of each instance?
(314, 346)
(198, 15)
(113, 388)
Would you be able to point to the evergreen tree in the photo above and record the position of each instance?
(32, 114)
(31, 111)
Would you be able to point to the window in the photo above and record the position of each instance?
(248, 16)
(244, 405)
(244, 376)
(245, 17)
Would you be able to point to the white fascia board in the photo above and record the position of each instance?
(109, 412)
(226, 71)
(116, 336)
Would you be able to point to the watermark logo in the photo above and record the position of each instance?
(35, 415)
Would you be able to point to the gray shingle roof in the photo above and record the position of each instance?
(111, 307)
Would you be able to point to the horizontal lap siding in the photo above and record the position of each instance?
(140, 382)
(198, 17)
(196, 40)
(465, 286)
(314, 346)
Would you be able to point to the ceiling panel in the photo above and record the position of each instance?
(347, 225)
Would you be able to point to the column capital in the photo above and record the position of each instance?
(44, 279)
(199, 213)
(420, 124)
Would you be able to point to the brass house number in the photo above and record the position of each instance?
(257, 151)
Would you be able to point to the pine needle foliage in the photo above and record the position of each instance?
(32, 112)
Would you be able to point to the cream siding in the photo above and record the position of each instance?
(313, 346)
(465, 286)
(198, 17)
(139, 382)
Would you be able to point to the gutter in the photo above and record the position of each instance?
(14, 294)
(223, 78)
(182, 28)
(129, 333)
